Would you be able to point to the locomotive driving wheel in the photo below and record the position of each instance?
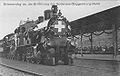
(29, 54)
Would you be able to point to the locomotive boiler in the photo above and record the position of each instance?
(50, 45)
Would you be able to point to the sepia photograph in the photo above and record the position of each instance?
(59, 38)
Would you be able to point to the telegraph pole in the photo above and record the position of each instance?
(115, 44)
(91, 41)
(81, 45)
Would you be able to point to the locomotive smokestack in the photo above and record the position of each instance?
(47, 14)
(50, 13)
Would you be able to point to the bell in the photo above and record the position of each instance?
(54, 8)
(59, 14)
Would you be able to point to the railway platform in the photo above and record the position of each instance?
(81, 67)
(97, 57)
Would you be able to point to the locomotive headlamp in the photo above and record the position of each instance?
(59, 14)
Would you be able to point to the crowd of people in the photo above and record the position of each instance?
(97, 50)
(23, 37)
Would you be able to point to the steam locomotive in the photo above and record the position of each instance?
(50, 45)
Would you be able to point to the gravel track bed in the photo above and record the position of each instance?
(5, 71)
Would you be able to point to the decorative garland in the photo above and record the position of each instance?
(108, 32)
(98, 33)
(86, 35)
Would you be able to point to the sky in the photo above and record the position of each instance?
(12, 12)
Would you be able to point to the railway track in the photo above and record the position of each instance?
(54, 70)
(31, 73)
(59, 70)
(41, 64)
(89, 67)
